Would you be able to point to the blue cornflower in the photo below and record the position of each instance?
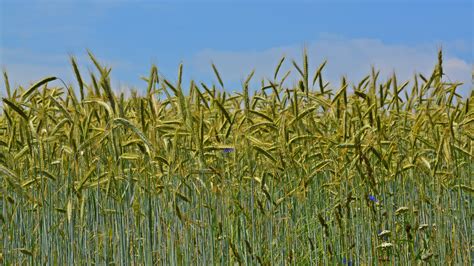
(347, 262)
(372, 198)
(228, 150)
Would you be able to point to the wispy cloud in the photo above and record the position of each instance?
(349, 57)
(25, 67)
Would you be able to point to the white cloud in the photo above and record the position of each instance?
(350, 57)
(458, 70)
(25, 67)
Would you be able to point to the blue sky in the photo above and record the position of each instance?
(36, 38)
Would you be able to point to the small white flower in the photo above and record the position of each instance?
(385, 245)
(384, 233)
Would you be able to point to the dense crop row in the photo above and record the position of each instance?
(314, 173)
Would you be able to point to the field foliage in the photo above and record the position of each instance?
(366, 173)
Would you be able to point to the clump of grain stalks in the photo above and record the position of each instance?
(190, 174)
